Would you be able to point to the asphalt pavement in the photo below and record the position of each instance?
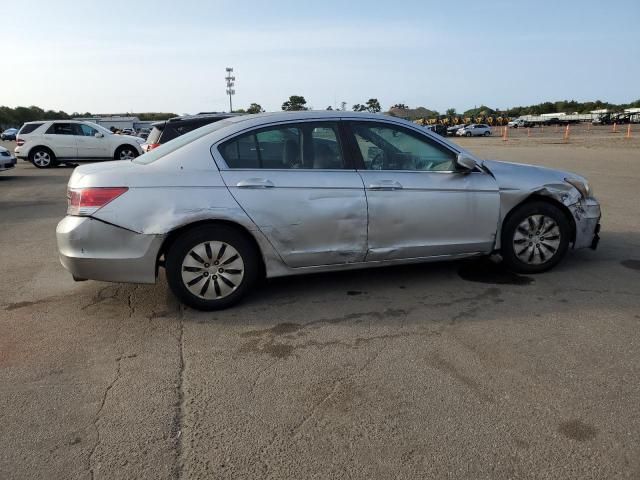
(450, 370)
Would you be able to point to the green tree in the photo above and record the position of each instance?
(295, 103)
(329, 107)
(400, 106)
(373, 105)
(451, 112)
(359, 108)
(255, 108)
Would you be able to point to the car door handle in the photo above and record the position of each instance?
(255, 183)
(385, 185)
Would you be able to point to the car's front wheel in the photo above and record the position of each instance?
(42, 157)
(212, 267)
(468, 134)
(535, 237)
(125, 152)
(487, 133)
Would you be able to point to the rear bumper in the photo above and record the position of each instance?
(91, 249)
(586, 214)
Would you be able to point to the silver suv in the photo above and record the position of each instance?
(47, 143)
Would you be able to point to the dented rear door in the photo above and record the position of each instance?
(294, 182)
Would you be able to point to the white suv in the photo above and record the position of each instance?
(475, 130)
(45, 144)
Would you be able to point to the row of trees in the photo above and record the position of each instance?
(15, 117)
(19, 115)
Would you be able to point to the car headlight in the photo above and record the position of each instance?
(580, 185)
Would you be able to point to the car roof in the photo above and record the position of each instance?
(234, 125)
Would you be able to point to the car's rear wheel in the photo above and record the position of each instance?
(42, 157)
(487, 133)
(468, 134)
(125, 152)
(212, 267)
(535, 237)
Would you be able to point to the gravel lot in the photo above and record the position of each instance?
(454, 370)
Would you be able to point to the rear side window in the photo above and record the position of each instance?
(62, 129)
(29, 127)
(304, 146)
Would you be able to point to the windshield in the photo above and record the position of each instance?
(179, 142)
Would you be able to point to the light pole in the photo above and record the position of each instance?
(230, 83)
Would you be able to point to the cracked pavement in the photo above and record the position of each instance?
(457, 370)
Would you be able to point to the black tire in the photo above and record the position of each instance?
(553, 249)
(486, 134)
(468, 134)
(180, 250)
(42, 157)
(125, 152)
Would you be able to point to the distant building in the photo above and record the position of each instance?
(118, 122)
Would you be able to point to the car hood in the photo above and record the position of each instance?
(529, 179)
(133, 138)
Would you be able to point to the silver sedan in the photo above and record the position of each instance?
(301, 192)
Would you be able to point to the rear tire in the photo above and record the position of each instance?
(42, 157)
(212, 267)
(486, 134)
(535, 237)
(468, 134)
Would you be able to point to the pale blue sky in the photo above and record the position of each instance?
(163, 55)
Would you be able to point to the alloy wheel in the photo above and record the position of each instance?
(536, 239)
(127, 154)
(212, 270)
(42, 158)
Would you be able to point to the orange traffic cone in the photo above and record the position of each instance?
(566, 134)
(505, 134)
(615, 127)
(528, 132)
(628, 135)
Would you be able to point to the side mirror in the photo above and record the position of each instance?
(465, 161)
(99, 135)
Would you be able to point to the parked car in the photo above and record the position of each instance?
(167, 130)
(454, 129)
(128, 131)
(9, 134)
(143, 133)
(300, 192)
(7, 161)
(520, 123)
(439, 129)
(45, 144)
(475, 130)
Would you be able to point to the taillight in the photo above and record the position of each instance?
(19, 142)
(85, 201)
(151, 146)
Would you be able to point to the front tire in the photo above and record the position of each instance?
(468, 134)
(535, 237)
(486, 134)
(42, 157)
(212, 267)
(125, 152)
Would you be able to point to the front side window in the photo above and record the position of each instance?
(387, 147)
(61, 129)
(86, 130)
(302, 146)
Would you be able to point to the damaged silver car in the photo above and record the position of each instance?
(301, 192)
